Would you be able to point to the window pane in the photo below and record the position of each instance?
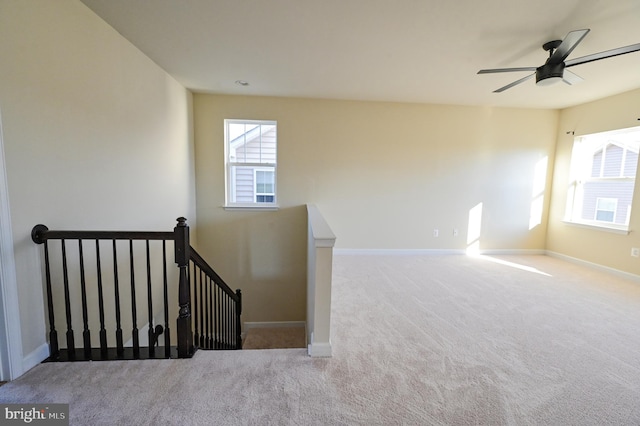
(604, 216)
(241, 184)
(254, 144)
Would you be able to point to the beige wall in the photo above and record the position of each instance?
(384, 175)
(96, 136)
(592, 245)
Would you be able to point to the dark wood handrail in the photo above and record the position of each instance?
(202, 264)
(41, 233)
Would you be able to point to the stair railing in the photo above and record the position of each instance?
(74, 274)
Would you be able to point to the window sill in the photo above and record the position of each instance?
(270, 207)
(614, 230)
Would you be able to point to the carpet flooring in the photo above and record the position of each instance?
(417, 340)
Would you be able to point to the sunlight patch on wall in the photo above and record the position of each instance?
(537, 200)
(474, 229)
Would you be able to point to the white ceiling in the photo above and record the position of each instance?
(426, 51)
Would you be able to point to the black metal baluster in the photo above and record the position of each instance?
(196, 334)
(223, 323)
(152, 334)
(116, 286)
(215, 342)
(220, 319)
(206, 312)
(86, 334)
(233, 323)
(199, 337)
(204, 315)
(167, 333)
(238, 321)
(71, 347)
(214, 312)
(224, 319)
(54, 352)
(210, 331)
(228, 319)
(134, 316)
(103, 331)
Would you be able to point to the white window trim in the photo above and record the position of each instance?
(229, 169)
(600, 226)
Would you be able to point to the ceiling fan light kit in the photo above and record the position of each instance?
(549, 74)
(553, 70)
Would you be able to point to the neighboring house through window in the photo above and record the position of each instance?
(603, 169)
(251, 161)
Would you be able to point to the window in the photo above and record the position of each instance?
(603, 175)
(606, 209)
(250, 157)
(265, 186)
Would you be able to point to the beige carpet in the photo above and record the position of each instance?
(425, 340)
(275, 338)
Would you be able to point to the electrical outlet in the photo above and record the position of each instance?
(635, 252)
(435, 232)
(455, 232)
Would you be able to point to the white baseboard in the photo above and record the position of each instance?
(274, 324)
(35, 357)
(423, 252)
(623, 274)
(319, 350)
(394, 252)
(499, 252)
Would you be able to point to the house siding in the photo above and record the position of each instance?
(258, 150)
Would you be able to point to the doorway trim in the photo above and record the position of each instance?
(11, 363)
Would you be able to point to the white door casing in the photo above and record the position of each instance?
(11, 365)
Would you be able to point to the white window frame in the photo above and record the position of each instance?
(256, 193)
(580, 176)
(232, 164)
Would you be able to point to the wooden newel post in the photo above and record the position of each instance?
(185, 334)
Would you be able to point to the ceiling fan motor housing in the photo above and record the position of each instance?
(549, 73)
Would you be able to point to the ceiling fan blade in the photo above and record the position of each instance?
(495, 70)
(571, 78)
(603, 55)
(568, 44)
(508, 86)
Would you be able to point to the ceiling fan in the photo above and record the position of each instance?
(554, 69)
